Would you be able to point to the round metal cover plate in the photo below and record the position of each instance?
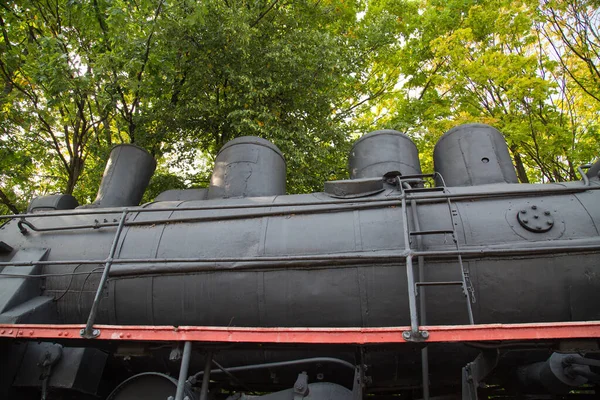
(535, 219)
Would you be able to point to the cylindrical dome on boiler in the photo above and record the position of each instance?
(473, 154)
(248, 166)
(383, 151)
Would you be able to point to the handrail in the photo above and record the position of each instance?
(389, 199)
(373, 203)
(89, 332)
(566, 246)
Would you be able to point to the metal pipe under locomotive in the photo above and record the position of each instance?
(242, 253)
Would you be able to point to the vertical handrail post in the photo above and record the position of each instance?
(183, 370)
(412, 300)
(89, 332)
(422, 302)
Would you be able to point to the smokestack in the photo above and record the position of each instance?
(127, 174)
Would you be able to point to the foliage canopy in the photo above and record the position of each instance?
(181, 77)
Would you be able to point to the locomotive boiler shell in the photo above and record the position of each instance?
(369, 290)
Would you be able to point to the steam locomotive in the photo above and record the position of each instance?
(389, 247)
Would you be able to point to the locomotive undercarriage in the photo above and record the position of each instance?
(508, 370)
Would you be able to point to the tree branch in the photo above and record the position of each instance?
(264, 13)
(8, 203)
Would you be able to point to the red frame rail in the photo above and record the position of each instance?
(448, 333)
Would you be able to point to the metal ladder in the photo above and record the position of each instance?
(413, 287)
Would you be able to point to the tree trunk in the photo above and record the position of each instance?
(76, 167)
(521, 174)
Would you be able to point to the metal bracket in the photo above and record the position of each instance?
(176, 353)
(89, 335)
(469, 386)
(301, 386)
(51, 356)
(360, 382)
(476, 371)
(415, 336)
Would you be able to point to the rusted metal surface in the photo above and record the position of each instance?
(448, 333)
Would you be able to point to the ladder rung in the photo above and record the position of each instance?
(427, 189)
(433, 232)
(443, 283)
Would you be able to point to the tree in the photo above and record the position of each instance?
(270, 69)
(572, 31)
(50, 102)
(181, 78)
(487, 62)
